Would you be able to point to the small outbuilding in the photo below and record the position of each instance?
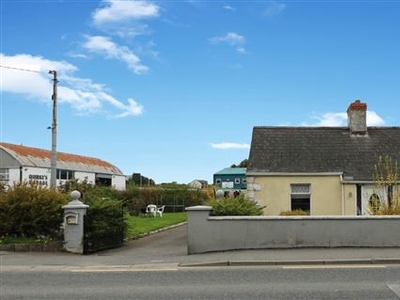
(20, 164)
(231, 179)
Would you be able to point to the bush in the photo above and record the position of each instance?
(31, 211)
(295, 212)
(382, 208)
(137, 198)
(235, 206)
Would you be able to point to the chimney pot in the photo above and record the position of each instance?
(357, 118)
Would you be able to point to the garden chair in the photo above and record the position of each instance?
(160, 211)
(151, 210)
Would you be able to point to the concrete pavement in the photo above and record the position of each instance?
(168, 248)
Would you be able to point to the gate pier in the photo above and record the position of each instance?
(74, 213)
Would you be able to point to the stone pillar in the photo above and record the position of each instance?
(74, 213)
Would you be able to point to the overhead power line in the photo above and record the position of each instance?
(19, 69)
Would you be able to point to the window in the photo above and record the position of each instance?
(103, 179)
(300, 197)
(237, 180)
(4, 174)
(244, 180)
(218, 180)
(65, 174)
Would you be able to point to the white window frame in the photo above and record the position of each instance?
(4, 174)
(300, 191)
(70, 174)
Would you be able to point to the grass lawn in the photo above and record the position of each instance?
(138, 225)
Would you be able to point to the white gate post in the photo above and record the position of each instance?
(74, 213)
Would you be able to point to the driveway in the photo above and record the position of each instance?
(165, 246)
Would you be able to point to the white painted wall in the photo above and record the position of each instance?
(119, 182)
(14, 176)
(42, 177)
(33, 175)
(82, 176)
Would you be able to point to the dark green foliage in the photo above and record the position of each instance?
(243, 164)
(105, 207)
(104, 225)
(104, 221)
(176, 198)
(235, 206)
(140, 180)
(31, 211)
(72, 185)
(90, 191)
(132, 202)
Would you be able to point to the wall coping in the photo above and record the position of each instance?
(290, 218)
(199, 208)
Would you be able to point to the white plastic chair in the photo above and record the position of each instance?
(160, 211)
(151, 209)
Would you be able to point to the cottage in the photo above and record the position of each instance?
(322, 170)
(32, 165)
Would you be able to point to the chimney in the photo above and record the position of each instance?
(357, 118)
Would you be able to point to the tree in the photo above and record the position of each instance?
(386, 178)
(243, 164)
(141, 180)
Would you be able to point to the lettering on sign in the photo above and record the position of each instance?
(38, 179)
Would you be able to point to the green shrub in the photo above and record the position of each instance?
(235, 206)
(105, 209)
(105, 215)
(295, 212)
(137, 198)
(31, 211)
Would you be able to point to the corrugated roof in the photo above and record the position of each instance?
(321, 149)
(231, 171)
(35, 157)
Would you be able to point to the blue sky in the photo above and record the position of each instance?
(172, 89)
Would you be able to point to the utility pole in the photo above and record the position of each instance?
(53, 176)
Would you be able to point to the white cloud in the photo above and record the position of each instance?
(331, 119)
(240, 50)
(83, 95)
(225, 146)
(373, 119)
(33, 84)
(231, 38)
(228, 7)
(274, 8)
(104, 46)
(340, 119)
(125, 18)
(116, 11)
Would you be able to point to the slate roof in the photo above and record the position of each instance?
(28, 156)
(321, 150)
